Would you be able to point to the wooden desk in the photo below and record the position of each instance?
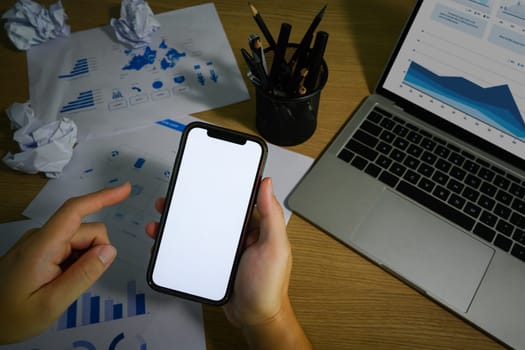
(343, 300)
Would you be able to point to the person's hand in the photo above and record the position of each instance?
(50, 267)
(260, 292)
(261, 284)
(259, 303)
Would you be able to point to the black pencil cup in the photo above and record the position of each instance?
(288, 120)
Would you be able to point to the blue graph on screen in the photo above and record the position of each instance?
(493, 105)
(91, 309)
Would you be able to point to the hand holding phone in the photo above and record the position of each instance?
(208, 206)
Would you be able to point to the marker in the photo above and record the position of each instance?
(314, 64)
(280, 50)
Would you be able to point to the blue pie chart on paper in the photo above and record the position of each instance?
(157, 84)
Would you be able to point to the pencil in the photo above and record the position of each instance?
(307, 38)
(258, 19)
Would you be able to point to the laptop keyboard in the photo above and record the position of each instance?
(469, 191)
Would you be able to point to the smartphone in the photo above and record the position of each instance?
(208, 206)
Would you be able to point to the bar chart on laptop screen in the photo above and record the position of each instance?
(465, 61)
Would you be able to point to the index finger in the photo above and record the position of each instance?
(68, 218)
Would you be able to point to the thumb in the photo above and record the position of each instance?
(271, 213)
(78, 277)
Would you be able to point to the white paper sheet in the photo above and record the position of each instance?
(119, 312)
(105, 87)
(145, 158)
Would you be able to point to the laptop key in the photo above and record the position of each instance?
(414, 150)
(504, 197)
(518, 251)
(366, 138)
(443, 152)
(517, 190)
(426, 185)
(518, 205)
(471, 167)
(518, 220)
(371, 128)
(375, 117)
(359, 163)
(488, 219)
(384, 148)
(373, 170)
(383, 161)
(505, 228)
(435, 205)
(387, 136)
(472, 210)
(488, 189)
(502, 211)
(441, 193)
(473, 181)
(364, 151)
(412, 177)
(484, 232)
(470, 194)
(388, 178)
(428, 144)
(503, 242)
(486, 174)
(519, 236)
(345, 155)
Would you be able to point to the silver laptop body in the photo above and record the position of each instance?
(449, 224)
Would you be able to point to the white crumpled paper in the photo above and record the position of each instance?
(28, 23)
(45, 147)
(136, 23)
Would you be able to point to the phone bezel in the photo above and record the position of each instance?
(230, 136)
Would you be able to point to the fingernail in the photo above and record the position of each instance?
(106, 253)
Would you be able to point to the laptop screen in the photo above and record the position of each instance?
(464, 61)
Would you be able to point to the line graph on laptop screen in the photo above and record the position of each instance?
(464, 60)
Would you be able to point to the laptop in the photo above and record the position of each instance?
(427, 177)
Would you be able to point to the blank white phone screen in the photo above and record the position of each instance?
(206, 215)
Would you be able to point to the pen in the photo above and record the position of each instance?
(255, 66)
(257, 49)
(280, 50)
(307, 38)
(258, 19)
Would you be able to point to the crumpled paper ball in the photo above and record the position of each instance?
(136, 23)
(28, 23)
(44, 147)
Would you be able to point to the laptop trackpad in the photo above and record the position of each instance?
(423, 249)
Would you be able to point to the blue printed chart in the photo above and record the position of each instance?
(92, 309)
(120, 312)
(494, 105)
(106, 87)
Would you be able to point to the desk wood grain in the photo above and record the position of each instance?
(342, 300)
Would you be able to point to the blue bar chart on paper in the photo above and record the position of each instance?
(92, 309)
(83, 100)
(81, 67)
(493, 105)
